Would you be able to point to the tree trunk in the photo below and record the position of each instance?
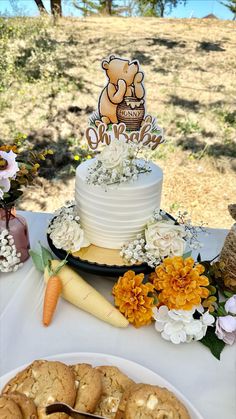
(108, 7)
(162, 10)
(56, 8)
(41, 7)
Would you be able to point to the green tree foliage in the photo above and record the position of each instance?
(231, 5)
(157, 7)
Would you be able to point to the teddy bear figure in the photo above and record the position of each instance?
(124, 79)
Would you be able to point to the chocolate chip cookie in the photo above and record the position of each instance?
(114, 383)
(89, 387)
(45, 382)
(26, 405)
(9, 409)
(153, 402)
(120, 414)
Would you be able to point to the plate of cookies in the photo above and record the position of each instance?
(105, 385)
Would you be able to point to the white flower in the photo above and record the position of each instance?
(113, 155)
(230, 305)
(226, 329)
(68, 235)
(165, 238)
(179, 326)
(11, 165)
(161, 316)
(5, 185)
(207, 319)
(185, 316)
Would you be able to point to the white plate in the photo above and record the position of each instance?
(135, 371)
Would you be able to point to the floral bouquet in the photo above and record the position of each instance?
(183, 302)
(117, 163)
(19, 167)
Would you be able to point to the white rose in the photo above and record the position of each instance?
(164, 238)
(114, 154)
(68, 236)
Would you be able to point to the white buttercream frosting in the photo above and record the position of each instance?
(112, 215)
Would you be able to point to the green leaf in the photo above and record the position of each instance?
(187, 254)
(49, 268)
(37, 259)
(212, 342)
(46, 255)
(63, 262)
(228, 294)
(221, 311)
(154, 296)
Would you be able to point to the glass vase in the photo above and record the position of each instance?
(17, 227)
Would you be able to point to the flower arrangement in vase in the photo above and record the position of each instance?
(19, 167)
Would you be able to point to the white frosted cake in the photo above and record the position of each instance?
(114, 214)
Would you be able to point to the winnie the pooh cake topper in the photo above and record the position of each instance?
(124, 82)
(121, 107)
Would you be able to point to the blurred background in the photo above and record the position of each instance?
(50, 80)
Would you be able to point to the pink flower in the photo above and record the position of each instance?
(230, 305)
(5, 185)
(226, 329)
(11, 166)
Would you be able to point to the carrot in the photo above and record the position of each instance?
(51, 297)
(78, 292)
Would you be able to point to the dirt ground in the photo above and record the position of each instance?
(54, 79)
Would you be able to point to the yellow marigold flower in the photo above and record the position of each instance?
(132, 298)
(180, 283)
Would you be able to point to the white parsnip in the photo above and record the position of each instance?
(78, 292)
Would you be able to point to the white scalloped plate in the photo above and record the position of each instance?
(135, 371)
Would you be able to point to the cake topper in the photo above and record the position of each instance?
(121, 107)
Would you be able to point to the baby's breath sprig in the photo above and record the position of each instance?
(9, 256)
(192, 232)
(129, 170)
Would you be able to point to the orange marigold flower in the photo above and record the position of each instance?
(180, 283)
(9, 147)
(133, 299)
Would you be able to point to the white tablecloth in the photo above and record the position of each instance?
(208, 383)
